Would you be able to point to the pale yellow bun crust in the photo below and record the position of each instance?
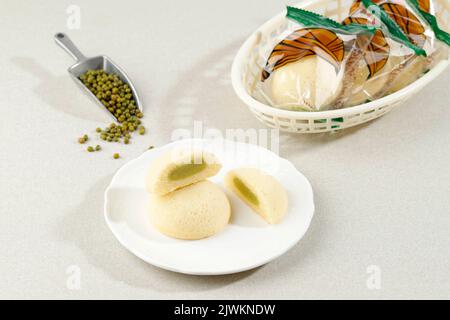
(414, 69)
(194, 212)
(161, 170)
(367, 89)
(308, 84)
(269, 199)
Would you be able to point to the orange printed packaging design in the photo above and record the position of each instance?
(312, 62)
(320, 64)
(413, 18)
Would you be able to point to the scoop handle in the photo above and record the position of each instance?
(64, 42)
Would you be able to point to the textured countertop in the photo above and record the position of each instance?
(381, 190)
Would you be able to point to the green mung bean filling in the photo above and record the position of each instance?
(183, 171)
(245, 191)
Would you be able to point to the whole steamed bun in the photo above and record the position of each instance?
(193, 212)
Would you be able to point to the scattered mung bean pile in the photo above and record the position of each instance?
(118, 98)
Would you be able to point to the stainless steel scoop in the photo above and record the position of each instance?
(84, 64)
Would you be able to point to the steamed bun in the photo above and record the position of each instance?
(262, 192)
(174, 170)
(367, 89)
(193, 212)
(310, 84)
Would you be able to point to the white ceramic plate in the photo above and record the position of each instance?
(247, 242)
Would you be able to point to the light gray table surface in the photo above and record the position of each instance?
(382, 190)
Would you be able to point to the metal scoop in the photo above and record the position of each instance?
(84, 64)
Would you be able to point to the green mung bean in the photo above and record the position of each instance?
(118, 99)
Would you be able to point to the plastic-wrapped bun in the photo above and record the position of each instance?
(309, 68)
(329, 65)
(411, 71)
(413, 18)
(305, 84)
(193, 212)
(179, 168)
(386, 59)
(416, 32)
(372, 73)
(381, 47)
(367, 89)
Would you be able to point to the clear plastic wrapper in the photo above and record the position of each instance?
(310, 67)
(319, 64)
(403, 67)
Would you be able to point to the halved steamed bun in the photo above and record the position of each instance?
(262, 192)
(180, 168)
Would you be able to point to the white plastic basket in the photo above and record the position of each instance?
(248, 64)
